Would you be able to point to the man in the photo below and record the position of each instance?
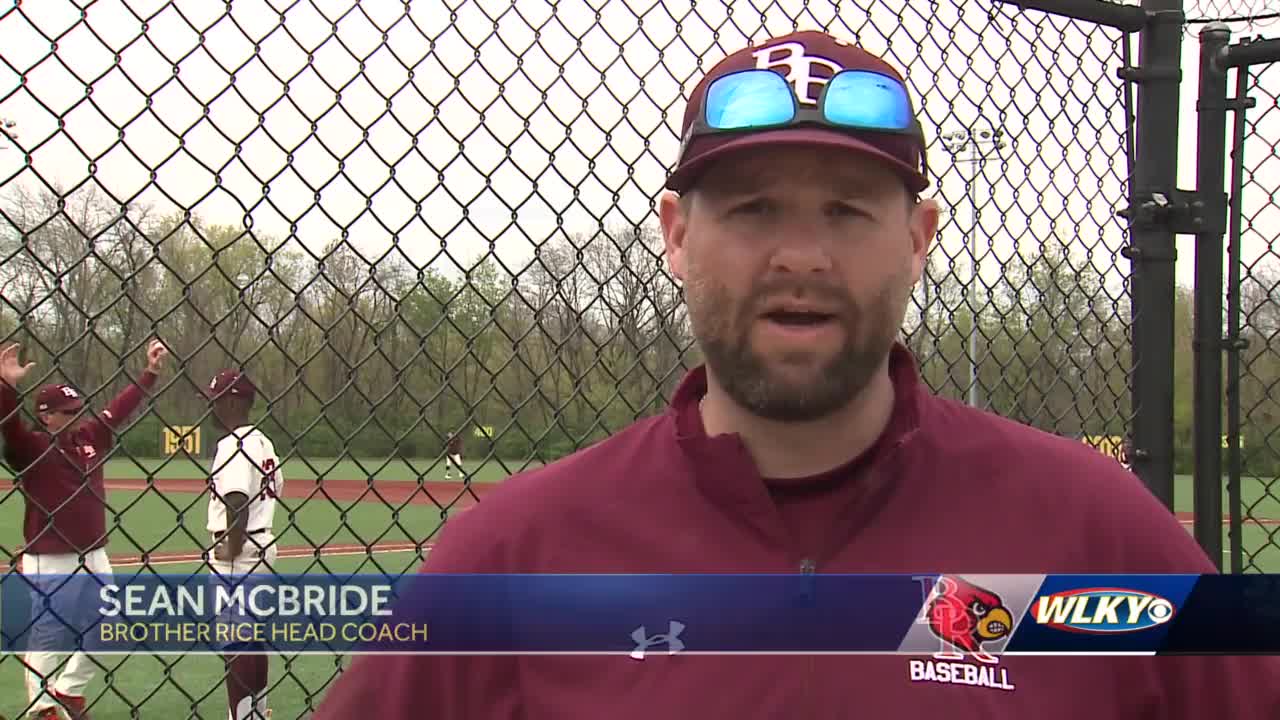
(59, 473)
(807, 444)
(453, 448)
(246, 480)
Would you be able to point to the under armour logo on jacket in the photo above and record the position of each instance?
(671, 639)
(799, 68)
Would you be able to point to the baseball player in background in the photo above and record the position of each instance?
(453, 448)
(59, 473)
(245, 483)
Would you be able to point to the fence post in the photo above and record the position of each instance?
(1207, 346)
(1152, 250)
(1235, 344)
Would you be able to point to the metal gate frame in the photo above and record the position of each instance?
(1217, 60)
(1158, 211)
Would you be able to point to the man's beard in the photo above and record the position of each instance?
(723, 330)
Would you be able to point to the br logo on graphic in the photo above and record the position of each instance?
(671, 639)
(965, 617)
(1103, 611)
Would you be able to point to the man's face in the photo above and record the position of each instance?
(56, 421)
(224, 412)
(797, 264)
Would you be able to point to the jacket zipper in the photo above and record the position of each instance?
(808, 568)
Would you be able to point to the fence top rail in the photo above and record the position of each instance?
(1129, 18)
(1257, 52)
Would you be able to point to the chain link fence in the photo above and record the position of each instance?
(410, 221)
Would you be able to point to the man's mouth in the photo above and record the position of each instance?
(798, 318)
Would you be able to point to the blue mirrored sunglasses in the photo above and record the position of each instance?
(852, 100)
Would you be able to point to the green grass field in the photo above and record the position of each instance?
(494, 470)
(150, 522)
(175, 686)
(304, 469)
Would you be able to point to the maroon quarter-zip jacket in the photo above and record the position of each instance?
(946, 489)
(61, 478)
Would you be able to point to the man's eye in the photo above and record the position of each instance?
(846, 210)
(753, 207)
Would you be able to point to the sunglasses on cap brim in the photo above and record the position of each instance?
(851, 101)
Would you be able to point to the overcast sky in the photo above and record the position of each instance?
(507, 123)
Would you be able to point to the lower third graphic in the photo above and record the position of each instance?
(671, 638)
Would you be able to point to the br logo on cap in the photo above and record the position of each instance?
(799, 68)
(69, 392)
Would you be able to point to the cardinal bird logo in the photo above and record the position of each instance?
(966, 617)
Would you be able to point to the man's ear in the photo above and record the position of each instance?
(673, 215)
(923, 226)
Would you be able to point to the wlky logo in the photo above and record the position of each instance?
(671, 638)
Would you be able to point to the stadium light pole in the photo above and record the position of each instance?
(979, 143)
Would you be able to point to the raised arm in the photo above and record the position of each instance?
(123, 405)
(22, 446)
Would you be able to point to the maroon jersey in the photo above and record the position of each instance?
(455, 444)
(61, 479)
(947, 488)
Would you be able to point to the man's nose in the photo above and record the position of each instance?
(801, 250)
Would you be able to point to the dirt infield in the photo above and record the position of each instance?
(1187, 518)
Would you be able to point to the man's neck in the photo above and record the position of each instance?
(784, 450)
(237, 426)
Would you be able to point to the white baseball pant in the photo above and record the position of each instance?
(55, 608)
(454, 461)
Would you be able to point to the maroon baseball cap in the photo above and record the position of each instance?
(230, 382)
(807, 59)
(56, 398)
